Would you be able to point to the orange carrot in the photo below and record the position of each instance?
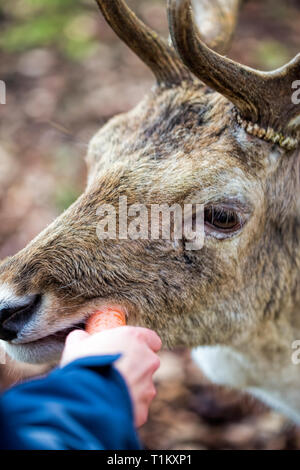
(105, 319)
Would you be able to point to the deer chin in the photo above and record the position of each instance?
(45, 349)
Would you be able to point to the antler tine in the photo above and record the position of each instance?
(264, 99)
(217, 20)
(154, 52)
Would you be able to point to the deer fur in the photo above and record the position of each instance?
(236, 300)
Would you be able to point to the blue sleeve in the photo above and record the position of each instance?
(85, 405)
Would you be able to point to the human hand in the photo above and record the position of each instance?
(137, 365)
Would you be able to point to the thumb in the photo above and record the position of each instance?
(76, 336)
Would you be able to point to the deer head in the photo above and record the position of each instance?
(211, 131)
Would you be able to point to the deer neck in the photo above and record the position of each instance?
(264, 366)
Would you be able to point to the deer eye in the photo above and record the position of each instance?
(222, 220)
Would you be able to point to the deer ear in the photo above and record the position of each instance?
(263, 99)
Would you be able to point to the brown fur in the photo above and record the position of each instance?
(190, 298)
(181, 144)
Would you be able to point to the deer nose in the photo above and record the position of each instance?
(15, 314)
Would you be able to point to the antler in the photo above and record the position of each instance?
(217, 21)
(160, 58)
(264, 99)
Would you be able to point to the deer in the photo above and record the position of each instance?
(210, 130)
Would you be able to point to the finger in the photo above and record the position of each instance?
(142, 417)
(151, 338)
(155, 363)
(152, 392)
(76, 336)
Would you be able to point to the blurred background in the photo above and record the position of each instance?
(66, 74)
